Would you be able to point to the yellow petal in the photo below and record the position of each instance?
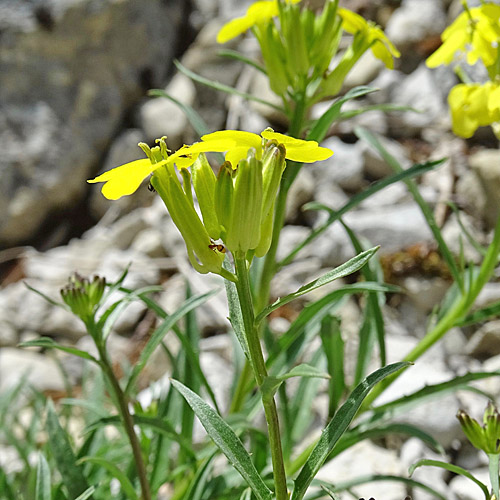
(232, 138)
(307, 155)
(258, 12)
(124, 180)
(352, 22)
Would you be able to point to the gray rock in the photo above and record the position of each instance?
(423, 91)
(344, 168)
(375, 166)
(41, 371)
(425, 293)
(301, 192)
(415, 21)
(486, 341)
(65, 84)
(465, 489)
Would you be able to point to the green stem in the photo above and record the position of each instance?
(259, 368)
(128, 422)
(493, 468)
(241, 389)
(457, 311)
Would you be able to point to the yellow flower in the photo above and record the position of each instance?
(126, 179)
(472, 106)
(475, 31)
(382, 48)
(237, 143)
(257, 13)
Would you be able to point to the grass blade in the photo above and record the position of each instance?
(323, 124)
(452, 468)
(162, 330)
(238, 56)
(125, 483)
(71, 472)
(48, 343)
(86, 494)
(355, 200)
(336, 428)
(221, 87)
(373, 141)
(42, 491)
(341, 271)
(226, 440)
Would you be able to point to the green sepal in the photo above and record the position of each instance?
(194, 233)
(224, 192)
(204, 182)
(244, 232)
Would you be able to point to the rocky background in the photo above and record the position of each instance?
(74, 76)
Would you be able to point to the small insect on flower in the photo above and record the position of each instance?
(217, 247)
(151, 188)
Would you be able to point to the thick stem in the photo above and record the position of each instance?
(128, 424)
(259, 368)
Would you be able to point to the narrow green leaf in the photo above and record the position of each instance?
(161, 331)
(125, 483)
(196, 121)
(355, 200)
(42, 491)
(223, 88)
(323, 124)
(353, 436)
(336, 428)
(226, 440)
(48, 343)
(238, 56)
(159, 425)
(86, 494)
(410, 483)
(429, 391)
(341, 271)
(71, 473)
(303, 370)
(452, 468)
(198, 485)
(345, 115)
(483, 314)
(373, 141)
(45, 297)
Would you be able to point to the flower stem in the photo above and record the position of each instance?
(127, 420)
(259, 368)
(493, 468)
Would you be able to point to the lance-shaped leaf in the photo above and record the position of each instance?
(336, 428)
(226, 440)
(341, 271)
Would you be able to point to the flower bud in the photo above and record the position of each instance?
(83, 296)
(273, 165)
(224, 192)
(486, 437)
(198, 243)
(243, 233)
(204, 181)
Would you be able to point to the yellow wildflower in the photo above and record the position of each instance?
(257, 13)
(472, 106)
(126, 179)
(381, 47)
(475, 31)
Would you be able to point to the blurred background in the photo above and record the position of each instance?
(74, 82)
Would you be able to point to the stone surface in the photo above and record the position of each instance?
(485, 342)
(66, 83)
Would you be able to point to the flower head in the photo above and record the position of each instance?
(257, 13)
(475, 31)
(487, 436)
(372, 35)
(126, 179)
(472, 106)
(83, 296)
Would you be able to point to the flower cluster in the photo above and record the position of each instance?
(476, 33)
(237, 205)
(298, 50)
